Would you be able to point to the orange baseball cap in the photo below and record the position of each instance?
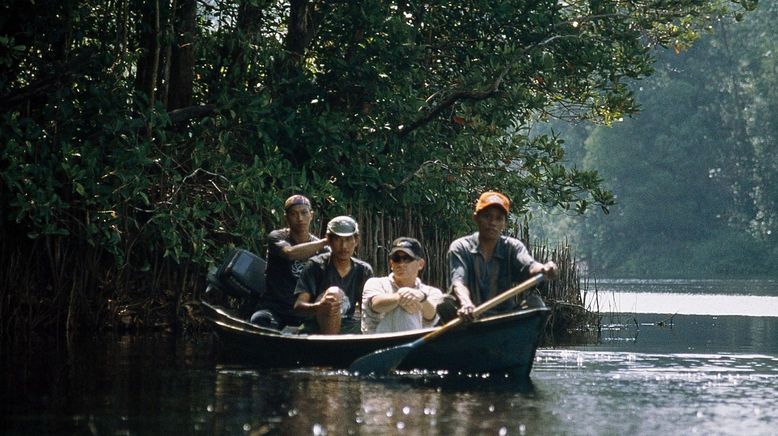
(492, 198)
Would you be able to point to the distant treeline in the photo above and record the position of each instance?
(695, 173)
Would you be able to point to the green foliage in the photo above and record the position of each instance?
(392, 106)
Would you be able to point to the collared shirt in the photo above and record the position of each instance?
(508, 265)
(386, 286)
(319, 274)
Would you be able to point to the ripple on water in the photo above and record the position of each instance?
(653, 393)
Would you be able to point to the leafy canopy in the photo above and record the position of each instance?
(387, 105)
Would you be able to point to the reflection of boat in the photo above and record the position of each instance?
(502, 343)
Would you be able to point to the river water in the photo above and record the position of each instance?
(661, 366)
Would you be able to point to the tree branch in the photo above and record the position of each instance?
(416, 173)
(187, 113)
(452, 98)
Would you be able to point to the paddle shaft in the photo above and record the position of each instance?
(512, 292)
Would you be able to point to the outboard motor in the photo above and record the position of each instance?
(241, 275)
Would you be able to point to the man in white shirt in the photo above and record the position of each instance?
(400, 301)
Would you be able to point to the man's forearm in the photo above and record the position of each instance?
(549, 269)
(428, 310)
(462, 294)
(305, 308)
(384, 303)
(304, 250)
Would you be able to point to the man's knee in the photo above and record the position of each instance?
(334, 290)
(345, 303)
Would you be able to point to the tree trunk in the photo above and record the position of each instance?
(182, 60)
(250, 23)
(286, 74)
(299, 35)
(148, 64)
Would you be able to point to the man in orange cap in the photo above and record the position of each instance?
(486, 263)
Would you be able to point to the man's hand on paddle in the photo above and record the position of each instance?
(466, 312)
(548, 269)
(466, 306)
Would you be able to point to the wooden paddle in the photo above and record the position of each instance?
(381, 362)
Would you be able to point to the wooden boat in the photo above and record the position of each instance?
(503, 343)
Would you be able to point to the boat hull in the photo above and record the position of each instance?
(503, 343)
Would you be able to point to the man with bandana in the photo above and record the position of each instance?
(288, 250)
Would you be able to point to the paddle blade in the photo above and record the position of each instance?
(381, 362)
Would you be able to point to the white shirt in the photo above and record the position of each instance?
(385, 286)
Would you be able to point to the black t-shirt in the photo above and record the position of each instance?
(319, 274)
(281, 274)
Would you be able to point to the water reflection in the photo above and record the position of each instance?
(158, 385)
(573, 392)
(691, 297)
(650, 393)
(650, 373)
(664, 333)
(324, 402)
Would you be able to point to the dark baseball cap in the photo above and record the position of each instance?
(410, 246)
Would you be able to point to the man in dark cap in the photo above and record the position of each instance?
(486, 263)
(400, 301)
(330, 285)
(287, 251)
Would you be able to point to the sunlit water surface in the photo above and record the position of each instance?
(697, 297)
(650, 373)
